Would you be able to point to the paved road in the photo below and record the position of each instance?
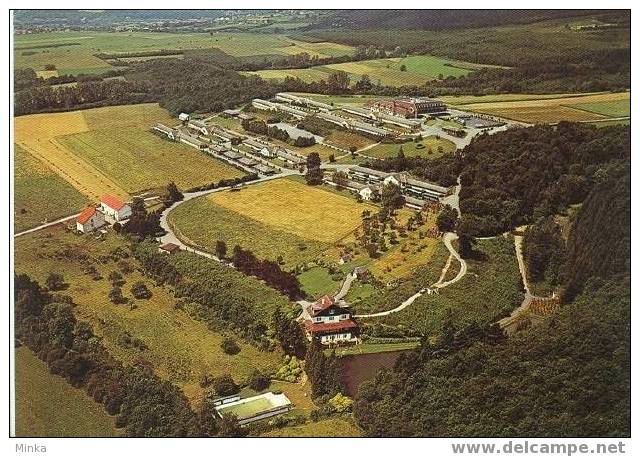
(346, 285)
(448, 239)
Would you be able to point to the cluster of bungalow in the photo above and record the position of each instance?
(329, 321)
(368, 183)
(323, 113)
(110, 210)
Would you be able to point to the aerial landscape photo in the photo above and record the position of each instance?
(321, 223)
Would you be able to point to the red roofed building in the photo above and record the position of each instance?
(89, 220)
(115, 208)
(330, 322)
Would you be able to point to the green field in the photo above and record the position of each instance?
(48, 406)
(617, 108)
(76, 55)
(432, 147)
(40, 194)
(281, 217)
(138, 160)
(318, 282)
(417, 70)
(248, 409)
(178, 347)
(376, 348)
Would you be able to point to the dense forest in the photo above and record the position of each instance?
(520, 175)
(570, 376)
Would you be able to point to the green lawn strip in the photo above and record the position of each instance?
(617, 108)
(376, 348)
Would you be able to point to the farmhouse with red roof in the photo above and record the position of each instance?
(330, 322)
(89, 220)
(115, 208)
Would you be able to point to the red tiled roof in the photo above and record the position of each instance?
(112, 202)
(87, 214)
(312, 327)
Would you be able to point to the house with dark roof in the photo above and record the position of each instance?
(115, 208)
(89, 220)
(330, 322)
(169, 248)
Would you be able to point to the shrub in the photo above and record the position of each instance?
(115, 295)
(229, 346)
(259, 381)
(55, 281)
(224, 385)
(341, 403)
(140, 291)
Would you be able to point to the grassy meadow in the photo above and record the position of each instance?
(429, 147)
(395, 71)
(491, 289)
(283, 217)
(333, 427)
(40, 194)
(583, 108)
(178, 347)
(48, 406)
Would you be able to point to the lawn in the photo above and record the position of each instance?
(111, 150)
(318, 282)
(282, 217)
(432, 147)
(376, 348)
(40, 194)
(48, 406)
(588, 107)
(74, 51)
(616, 108)
(334, 427)
(178, 347)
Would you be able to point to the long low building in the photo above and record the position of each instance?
(334, 119)
(411, 187)
(264, 104)
(193, 141)
(368, 128)
(290, 98)
(166, 131)
(362, 112)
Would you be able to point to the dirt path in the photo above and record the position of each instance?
(448, 239)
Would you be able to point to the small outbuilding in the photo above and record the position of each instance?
(169, 248)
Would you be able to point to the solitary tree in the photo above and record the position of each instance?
(221, 249)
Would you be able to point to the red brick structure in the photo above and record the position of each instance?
(407, 107)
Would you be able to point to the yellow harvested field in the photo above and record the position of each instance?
(46, 74)
(296, 208)
(37, 134)
(548, 110)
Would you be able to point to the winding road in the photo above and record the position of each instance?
(448, 240)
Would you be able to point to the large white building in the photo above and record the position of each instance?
(115, 208)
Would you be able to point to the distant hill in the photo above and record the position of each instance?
(443, 19)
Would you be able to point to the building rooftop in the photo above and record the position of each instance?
(86, 214)
(312, 327)
(112, 202)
